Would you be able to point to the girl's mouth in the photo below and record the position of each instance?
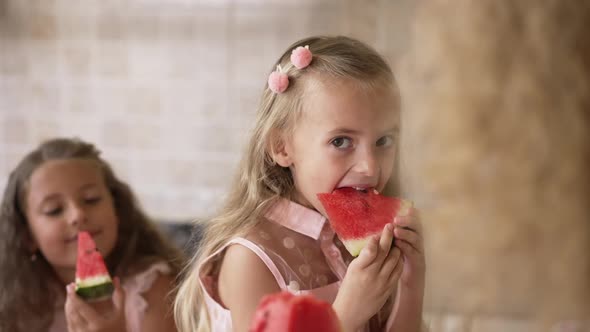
(361, 188)
(75, 237)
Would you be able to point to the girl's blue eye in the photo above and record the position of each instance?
(385, 141)
(341, 142)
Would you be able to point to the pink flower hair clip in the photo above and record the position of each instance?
(278, 81)
(301, 57)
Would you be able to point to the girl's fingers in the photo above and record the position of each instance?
(396, 273)
(385, 242)
(74, 319)
(88, 313)
(391, 262)
(409, 236)
(406, 248)
(412, 221)
(73, 325)
(368, 253)
(81, 308)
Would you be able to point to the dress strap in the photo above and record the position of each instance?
(259, 252)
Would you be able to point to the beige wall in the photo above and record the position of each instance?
(497, 138)
(167, 89)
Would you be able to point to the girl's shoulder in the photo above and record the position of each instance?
(147, 287)
(295, 259)
(143, 274)
(244, 255)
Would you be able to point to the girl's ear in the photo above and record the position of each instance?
(280, 150)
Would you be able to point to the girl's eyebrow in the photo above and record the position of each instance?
(57, 195)
(344, 131)
(88, 186)
(49, 197)
(394, 130)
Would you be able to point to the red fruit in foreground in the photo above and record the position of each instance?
(285, 312)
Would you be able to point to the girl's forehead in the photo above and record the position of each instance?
(337, 89)
(376, 85)
(347, 100)
(64, 172)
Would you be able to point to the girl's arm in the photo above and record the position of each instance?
(159, 317)
(407, 311)
(243, 280)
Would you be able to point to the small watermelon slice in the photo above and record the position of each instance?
(93, 282)
(356, 215)
(286, 312)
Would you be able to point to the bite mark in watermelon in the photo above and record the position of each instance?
(357, 215)
(286, 312)
(93, 282)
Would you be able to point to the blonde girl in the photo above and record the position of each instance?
(328, 118)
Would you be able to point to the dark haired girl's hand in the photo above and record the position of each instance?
(96, 317)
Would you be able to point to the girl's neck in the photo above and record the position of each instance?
(65, 275)
(299, 199)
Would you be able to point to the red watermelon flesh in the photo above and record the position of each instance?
(356, 215)
(286, 312)
(93, 281)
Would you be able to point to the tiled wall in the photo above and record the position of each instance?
(167, 89)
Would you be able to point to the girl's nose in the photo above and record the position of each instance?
(367, 163)
(77, 215)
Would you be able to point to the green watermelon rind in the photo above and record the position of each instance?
(93, 281)
(95, 288)
(96, 292)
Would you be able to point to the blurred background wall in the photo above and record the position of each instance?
(167, 89)
(496, 152)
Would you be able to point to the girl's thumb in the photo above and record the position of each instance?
(368, 253)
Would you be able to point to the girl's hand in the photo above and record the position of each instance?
(96, 317)
(409, 239)
(369, 281)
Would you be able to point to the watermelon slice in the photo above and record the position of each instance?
(286, 312)
(93, 282)
(356, 215)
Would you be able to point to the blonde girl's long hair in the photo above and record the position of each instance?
(260, 181)
(29, 289)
